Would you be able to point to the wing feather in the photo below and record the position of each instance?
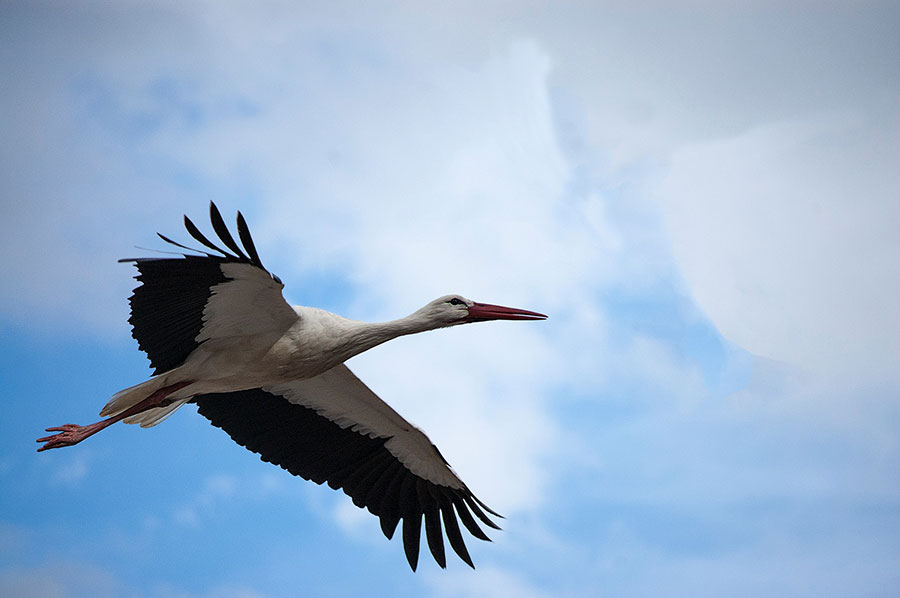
(195, 232)
(222, 231)
(432, 522)
(176, 244)
(173, 311)
(247, 240)
(451, 526)
(466, 517)
(382, 462)
(412, 532)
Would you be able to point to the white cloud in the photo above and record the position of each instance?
(786, 237)
(77, 579)
(510, 155)
(73, 469)
(59, 579)
(490, 582)
(216, 488)
(221, 488)
(780, 563)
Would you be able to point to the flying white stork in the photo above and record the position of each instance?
(219, 334)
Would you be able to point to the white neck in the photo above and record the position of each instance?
(343, 338)
(365, 335)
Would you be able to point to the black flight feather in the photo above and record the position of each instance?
(479, 512)
(176, 244)
(195, 232)
(451, 527)
(223, 232)
(432, 523)
(412, 531)
(247, 240)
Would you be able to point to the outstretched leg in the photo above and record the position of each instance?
(70, 434)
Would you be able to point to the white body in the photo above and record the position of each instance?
(250, 341)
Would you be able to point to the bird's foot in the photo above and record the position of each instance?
(69, 435)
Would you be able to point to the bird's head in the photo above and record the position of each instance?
(451, 310)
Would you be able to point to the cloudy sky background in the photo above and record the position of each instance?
(705, 200)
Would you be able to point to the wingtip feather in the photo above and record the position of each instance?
(412, 530)
(247, 240)
(201, 238)
(221, 229)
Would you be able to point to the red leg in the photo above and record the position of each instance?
(71, 434)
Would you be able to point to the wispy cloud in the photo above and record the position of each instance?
(73, 468)
(491, 582)
(60, 579)
(215, 488)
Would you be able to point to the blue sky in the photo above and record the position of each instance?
(704, 199)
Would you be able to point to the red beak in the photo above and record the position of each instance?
(481, 312)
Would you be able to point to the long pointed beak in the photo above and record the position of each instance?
(481, 312)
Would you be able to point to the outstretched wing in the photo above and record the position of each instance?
(187, 300)
(332, 428)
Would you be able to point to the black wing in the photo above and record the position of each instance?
(167, 309)
(379, 459)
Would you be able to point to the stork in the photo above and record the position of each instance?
(219, 334)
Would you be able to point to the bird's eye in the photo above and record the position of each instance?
(456, 301)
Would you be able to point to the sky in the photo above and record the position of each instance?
(703, 197)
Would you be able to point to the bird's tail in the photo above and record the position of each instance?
(129, 397)
(151, 417)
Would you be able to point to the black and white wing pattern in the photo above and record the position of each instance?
(333, 429)
(187, 300)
